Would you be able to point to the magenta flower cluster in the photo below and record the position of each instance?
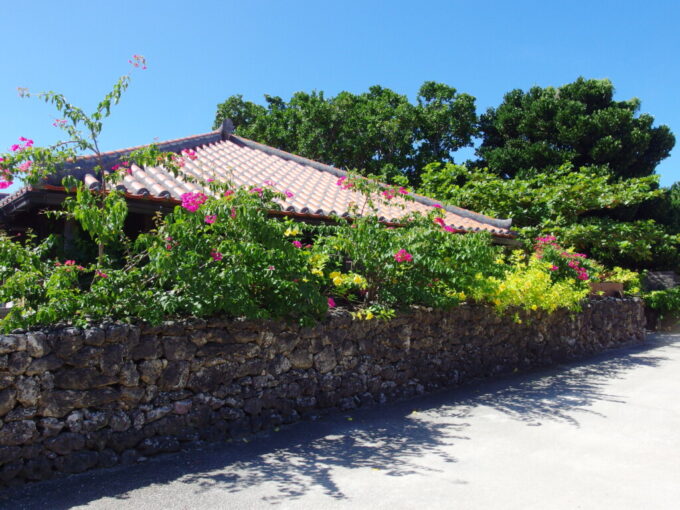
(403, 256)
(342, 182)
(443, 225)
(123, 166)
(573, 258)
(189, 154)
(192, 201)
(18, 147)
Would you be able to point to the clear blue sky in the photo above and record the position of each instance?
(199, 53)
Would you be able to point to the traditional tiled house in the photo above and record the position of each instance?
(222, 155)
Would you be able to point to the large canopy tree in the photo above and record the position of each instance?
(578, 123)
(377, 132)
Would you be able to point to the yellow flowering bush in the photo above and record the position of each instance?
(528, 284)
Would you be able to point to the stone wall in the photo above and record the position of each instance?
(72, 399)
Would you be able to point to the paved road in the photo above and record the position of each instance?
(599, 434)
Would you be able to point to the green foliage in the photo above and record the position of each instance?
(440, 271)
(568, 203)
(664, 301)
(239, 264)
(638, 245)
(101, 214)
(577, 123)
(562, 196)
(378, 132)
(223, 255)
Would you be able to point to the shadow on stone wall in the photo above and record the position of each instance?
(392, 438)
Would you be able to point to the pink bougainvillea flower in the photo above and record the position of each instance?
(216, 255)
(192, 201)
(269, 183)
(289, 194)
(582, 276)
(270, 268)
(437, 206)
(229, 192)
(5, 184)
(168, 247)
(449, 228)
(331, 303)
(138, 61)
(573, 264)
(344, 185)
(18, 147)
(189, 154)
(403, 190)
(233, 213)
(439, 221)
(210, 218)
(210, 180)
(69, 262)
(25, 166)
(297, 244)
(100, 274)
(554, 268)
(389, 194)
(123, 166)
(59, 122)
(546, 239)
(177, 161)
(403, 256)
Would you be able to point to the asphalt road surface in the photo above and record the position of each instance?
(600, 434)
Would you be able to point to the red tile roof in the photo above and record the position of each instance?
(224, 156)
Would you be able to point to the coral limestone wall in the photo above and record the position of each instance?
(72, 399)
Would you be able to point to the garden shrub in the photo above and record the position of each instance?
(665, 302)
(221, 253)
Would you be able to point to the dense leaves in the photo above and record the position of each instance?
(578, 123)
(377, 132)
(572, 204)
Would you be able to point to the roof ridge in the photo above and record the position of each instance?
(466, 213)
(160, 145)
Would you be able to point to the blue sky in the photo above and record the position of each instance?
(200, 53)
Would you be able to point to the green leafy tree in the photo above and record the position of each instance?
(378, 132)
(573, 204)
(577, 123)
(100, 212)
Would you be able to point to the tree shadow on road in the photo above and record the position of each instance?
(288, 464)
(561, 393)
